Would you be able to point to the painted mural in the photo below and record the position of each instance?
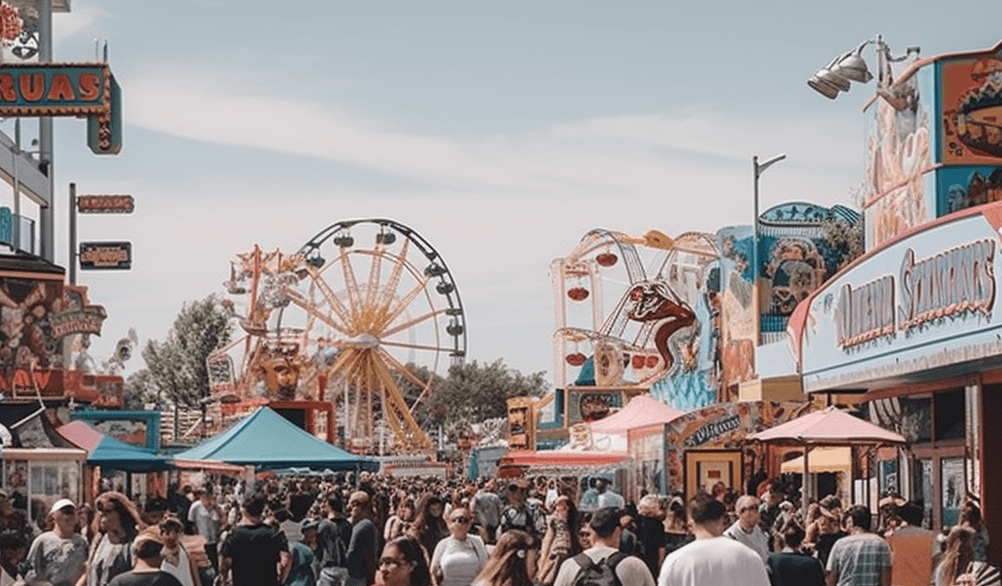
(966, 187)
(26, 337)
(899, 153)
(799, 249)
(692, 380)
(737, 346)
(972, 101)
(723, 426)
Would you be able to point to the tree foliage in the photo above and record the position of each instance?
(474, 392)
(175, 368)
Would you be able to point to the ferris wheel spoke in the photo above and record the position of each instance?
(410, 346)
(393, 282)
(312, 312)
(328, 294)
(395, 405)
(404, 303)
(411, 322)
(371, 290)
(405, 372)
(351, 283)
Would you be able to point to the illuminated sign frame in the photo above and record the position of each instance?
(66, 89)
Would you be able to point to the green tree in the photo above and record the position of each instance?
(175, 368)
(473, 392)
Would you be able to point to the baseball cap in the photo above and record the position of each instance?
(62, 504)
(309, 523)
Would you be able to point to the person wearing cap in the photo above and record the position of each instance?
(176, 562)
(58, 556)
(154, 510)
(302, 570)
(147, 550)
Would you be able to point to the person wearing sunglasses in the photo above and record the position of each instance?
(461, 556)
(747, 529)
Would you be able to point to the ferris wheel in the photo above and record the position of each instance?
(364, 315)
(627, 306)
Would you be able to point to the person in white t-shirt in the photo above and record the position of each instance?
(460, 557)
(176, 560)
(605, 532)
(711, 558)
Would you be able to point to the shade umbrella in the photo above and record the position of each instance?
(828, 427)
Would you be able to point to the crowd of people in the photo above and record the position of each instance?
(346, 531)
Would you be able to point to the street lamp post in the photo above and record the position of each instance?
(757, 170)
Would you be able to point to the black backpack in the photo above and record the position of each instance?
(602, 573)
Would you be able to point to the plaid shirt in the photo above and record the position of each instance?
(859, 560)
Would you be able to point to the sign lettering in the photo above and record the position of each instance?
(106, 255)
(105, 204)
(951, 283)
(713, 429)
(866, 312)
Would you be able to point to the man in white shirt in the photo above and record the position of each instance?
(746, 529)
(605, 532)
(711, 558)
(606, 497)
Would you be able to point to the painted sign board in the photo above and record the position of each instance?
(105, 255)
(971, 97)
(66, 89)
(106, 204)
(923, 300)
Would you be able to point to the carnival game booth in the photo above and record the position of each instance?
(643, 418)
(268, 441)
(571, 468)
(709, 445)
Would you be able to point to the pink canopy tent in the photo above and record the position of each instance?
(828, 427)
(643, 411)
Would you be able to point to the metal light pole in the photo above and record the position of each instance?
(757, 170)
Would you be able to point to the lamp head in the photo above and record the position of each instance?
(823, 87)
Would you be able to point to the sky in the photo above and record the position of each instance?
(501, 132)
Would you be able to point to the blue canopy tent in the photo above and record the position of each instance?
(268, 441)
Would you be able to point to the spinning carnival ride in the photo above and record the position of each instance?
(364, 315)
(631, 309)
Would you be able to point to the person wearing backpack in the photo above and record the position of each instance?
(603, 564)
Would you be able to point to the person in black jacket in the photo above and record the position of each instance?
(790, 566)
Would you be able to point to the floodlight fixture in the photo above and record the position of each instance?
(849, 67)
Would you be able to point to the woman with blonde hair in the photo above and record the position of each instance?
(458, 558)
(512, 563)
(957, 559)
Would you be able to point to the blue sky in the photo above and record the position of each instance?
(501, 132)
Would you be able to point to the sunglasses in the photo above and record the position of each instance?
(751, 508)
(461, 519)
